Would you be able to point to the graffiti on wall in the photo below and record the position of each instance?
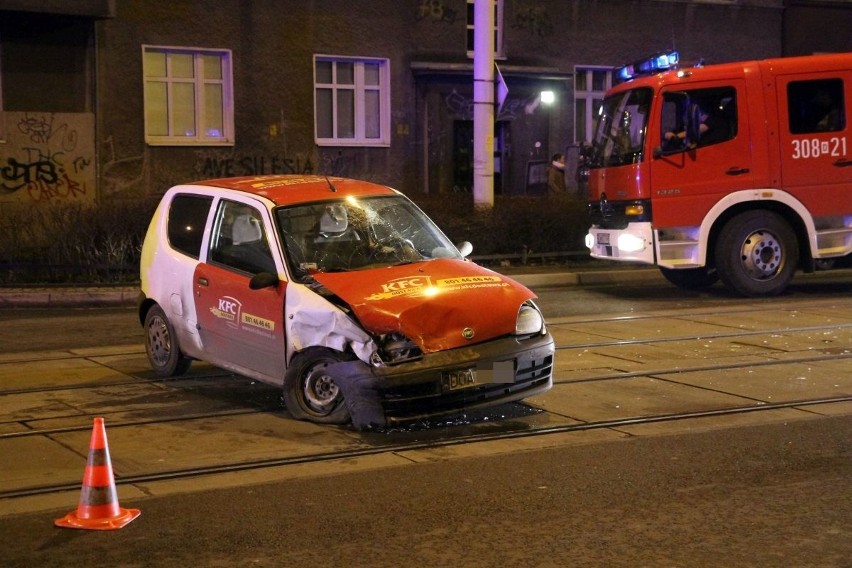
(437, 11)
(212, 164)
(48, 157)
(534, 20)
(460, 106)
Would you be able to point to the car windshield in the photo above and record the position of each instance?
(620, 130)
(354, 234)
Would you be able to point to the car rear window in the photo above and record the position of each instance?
(187, 217)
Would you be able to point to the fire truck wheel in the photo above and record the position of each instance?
(691, 278)
(757, 254)
(309, 392)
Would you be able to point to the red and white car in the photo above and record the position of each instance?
(343, 292)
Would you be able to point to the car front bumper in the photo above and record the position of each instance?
(449, 382)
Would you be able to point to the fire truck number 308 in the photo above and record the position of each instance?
(815, 148)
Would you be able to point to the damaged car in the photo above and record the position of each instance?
(343, 293)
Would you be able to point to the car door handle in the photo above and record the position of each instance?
(842, 163)
(203, 281)
(736, 171)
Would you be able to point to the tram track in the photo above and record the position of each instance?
(267, 463)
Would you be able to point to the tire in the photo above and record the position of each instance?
(691, 278)
(161, 345)
(757, 254)
(309, 392)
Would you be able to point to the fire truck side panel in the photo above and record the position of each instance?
(777, 158)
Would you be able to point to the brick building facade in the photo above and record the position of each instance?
(106, 99)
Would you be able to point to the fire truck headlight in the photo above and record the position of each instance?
(630, 243)
(590, 241)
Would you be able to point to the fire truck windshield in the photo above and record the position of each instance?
(620, 130)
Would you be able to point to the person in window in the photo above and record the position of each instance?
(556, 174)
(827, 110)
(712, 129)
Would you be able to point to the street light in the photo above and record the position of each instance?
(547, 97)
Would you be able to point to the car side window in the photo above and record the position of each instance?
(816, 106)
(187, 217)
(238, 239)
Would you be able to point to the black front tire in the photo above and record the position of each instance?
(310, 393)
(757, 254)
(161, 345)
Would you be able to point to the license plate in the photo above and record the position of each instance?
(603, 238)
(456, 380)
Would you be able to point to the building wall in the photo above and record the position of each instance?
(273, 43)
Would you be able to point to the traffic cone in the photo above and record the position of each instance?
(98, 507)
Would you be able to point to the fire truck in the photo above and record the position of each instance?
(737, 171)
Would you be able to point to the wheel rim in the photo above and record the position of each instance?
(762, 255)
(322, 395)
(159, 341)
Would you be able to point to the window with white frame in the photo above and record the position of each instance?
(351, 101)
(188, 96)
(498, 28)
(590, 86)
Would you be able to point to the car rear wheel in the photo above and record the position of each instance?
(757, 254)
(161, 345)
(310, 392)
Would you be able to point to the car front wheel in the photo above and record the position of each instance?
(161, 345)
(310, 392)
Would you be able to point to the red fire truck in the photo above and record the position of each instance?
(739, 171)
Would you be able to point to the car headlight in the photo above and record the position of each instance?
(530, 320)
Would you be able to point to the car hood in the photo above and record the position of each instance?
(439, 304)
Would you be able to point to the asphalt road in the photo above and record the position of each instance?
(766, 496)
(776, 494)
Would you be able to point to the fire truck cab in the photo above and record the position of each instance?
(739, 171)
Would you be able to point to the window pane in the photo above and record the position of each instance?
(580, 81)
(325, 126)
(156, 109)
(324, 72)
(212, 66)
(182, 65)
(345, 114)
(345, 73)
(372, 114)
(580, 120)
(371, 73)
(599, 80)
(184, 109)
(213, 120)
(155, 64)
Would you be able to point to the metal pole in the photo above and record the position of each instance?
(483, 103)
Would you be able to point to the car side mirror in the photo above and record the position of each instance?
(263, 280)
(465, 248)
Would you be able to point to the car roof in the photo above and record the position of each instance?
(291, 189)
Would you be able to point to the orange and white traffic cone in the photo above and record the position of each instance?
(98, 507)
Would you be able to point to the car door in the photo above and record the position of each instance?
(241, 328)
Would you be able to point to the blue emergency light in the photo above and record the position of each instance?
(648, 66)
